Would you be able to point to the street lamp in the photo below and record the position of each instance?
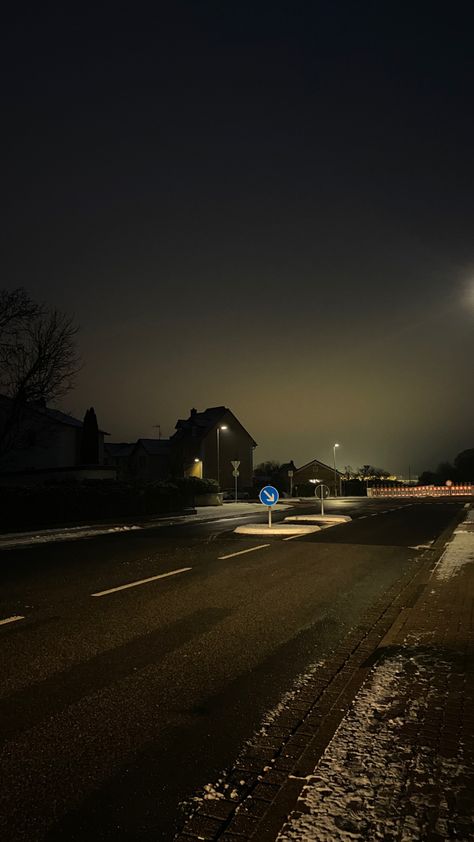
(219, 428)
(335, 471)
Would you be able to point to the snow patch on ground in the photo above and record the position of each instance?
(371, 783)
(460, 551)
(72, 533)
(272, 715)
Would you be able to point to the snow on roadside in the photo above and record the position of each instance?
(71, 533)
(371, 782)
(459, 551)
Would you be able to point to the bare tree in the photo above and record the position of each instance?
(38, 361)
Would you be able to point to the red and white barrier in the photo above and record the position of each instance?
(461, 490)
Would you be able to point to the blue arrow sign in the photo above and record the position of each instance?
(269, 495)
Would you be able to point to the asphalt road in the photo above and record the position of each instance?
(116, 703)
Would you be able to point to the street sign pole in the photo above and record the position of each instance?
(235, 464)
(321, 491)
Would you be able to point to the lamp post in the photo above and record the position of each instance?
(219, 428)
(335, 471)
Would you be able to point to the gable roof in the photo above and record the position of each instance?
(155, 447)
(318, 462)
(199, 424)
(52, 414)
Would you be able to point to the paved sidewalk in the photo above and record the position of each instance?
(378, 744)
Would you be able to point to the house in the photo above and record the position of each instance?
(206, 444)
(150, 459)
(316, 472)
(117, 455)
(42, 440)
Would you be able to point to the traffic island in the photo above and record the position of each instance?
(276, 529)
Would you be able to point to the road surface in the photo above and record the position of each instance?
(117, 703)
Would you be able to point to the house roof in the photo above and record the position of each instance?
(64, 418)
(318, 462)
(53, 414)
(155, 447)
(202, 422)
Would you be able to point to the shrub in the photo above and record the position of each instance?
(59, 503)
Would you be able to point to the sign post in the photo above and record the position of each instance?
(235, 473)
(290, 474)
(269, 496)
(321, 491)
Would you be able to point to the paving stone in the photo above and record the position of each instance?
(266, 791)
(217, 808)
(242, 824)
(203, 827)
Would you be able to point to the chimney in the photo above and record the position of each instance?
(193, 413)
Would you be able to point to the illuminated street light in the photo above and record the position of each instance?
(219, 428)
(335, 471)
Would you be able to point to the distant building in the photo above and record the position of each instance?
(117, 455)
(316, 472)
(206, 443)
(151, 459)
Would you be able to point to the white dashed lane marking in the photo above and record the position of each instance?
(142, 581)
(242, 552)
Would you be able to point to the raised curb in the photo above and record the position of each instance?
(275, 529)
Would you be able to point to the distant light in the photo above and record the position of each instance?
(336, 445)
(197, 460)
(314, 481)
(224, 427)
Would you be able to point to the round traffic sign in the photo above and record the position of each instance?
(321, 491)
(269, 495)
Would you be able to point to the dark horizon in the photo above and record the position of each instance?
(267, 208)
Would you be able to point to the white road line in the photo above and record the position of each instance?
(292, 537)
(241, 552)
(142, 581)
(361, 517)
(11, 619)
(220, 520)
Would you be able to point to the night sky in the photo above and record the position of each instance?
(267, 206)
